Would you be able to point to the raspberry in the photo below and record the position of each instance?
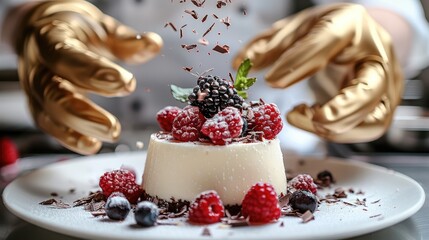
(165, 117)
(8, 152)
(207, 208)
(261, 204)
(213, 94)
(122, 181)
(266, 119)
(187, 124)
(224, 126)
(303, 182)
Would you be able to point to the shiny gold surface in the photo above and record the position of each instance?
(358, 80)
(67, 51)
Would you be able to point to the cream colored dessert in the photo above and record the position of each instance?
(182, 170)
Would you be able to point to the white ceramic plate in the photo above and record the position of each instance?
(387, 195)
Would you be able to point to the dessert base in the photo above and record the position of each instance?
(182, 170)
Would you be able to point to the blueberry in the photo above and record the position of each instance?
(117, 207)
(325, 176)
(146, 213)
(302, 201)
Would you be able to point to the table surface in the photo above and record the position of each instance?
(416, 227)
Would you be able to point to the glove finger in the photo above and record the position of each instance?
(66, 56)
(313, 51)
(372, 127)
(355, 101)
(127, 45)
(64, 104)
(67, 137)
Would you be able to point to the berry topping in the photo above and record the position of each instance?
(303, 182)
(8, 152)
(122, 181)
(261, 204)
(302, 201)
(165, 117)
(146, 214)
(224, 126)
(213, 94)
(207, 208)
(117, 206)
(187, 124)
(266, 118)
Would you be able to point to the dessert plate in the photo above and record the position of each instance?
(376, 198)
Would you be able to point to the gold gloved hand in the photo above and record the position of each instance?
(65, 50)
(354, 63)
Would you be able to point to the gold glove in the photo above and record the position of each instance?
(355, 65)
(65, 50)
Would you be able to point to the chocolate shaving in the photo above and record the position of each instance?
(55, 203)
(171, 25)
(376, 201)
(208, 30)
(215, 16)
(188, 69)
(203, 41)
(226, 21)
(307, 216)
(167, 223)
(349, 204)
(361, 202)
(181, 33)
(48, 202)
(231, 77)
(284, 200)
(340, 193)
(220, 4)
(282, 224)
(189, 47)
(192, 13)
(198, 3)
(374, 216)
(99, 213)
(93, 197)
(54, 194)
(204, 18)
(221, 49)
(206, 232)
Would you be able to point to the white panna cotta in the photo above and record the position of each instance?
(182, 170)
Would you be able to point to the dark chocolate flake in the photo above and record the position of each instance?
(307, 217)
(193, 13)
(221, 49)
(208, 30)
(206, 232)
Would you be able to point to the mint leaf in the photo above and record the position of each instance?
(242, 82)
(242, 94)
(180, 94)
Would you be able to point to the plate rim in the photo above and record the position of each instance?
(46, 224)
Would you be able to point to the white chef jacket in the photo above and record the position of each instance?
(153, 93)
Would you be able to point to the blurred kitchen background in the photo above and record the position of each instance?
(409, 132)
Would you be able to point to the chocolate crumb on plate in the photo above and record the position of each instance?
(55, 203)
(376, 201)
(206, 232)
(307, 217)
(374, 216)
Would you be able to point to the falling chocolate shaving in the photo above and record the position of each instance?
(72, 190)
(231, 77)
(192, 13)
(307, 216)
(215, 16)
(181, 33)
(226, 21)
(204, 18)
(376, 201)
(203, 41)
(54, 194)
(184, 26)
(206, 232)
(208, 30)
(188, 69)
(189, 47)
(198, 3)
(360, 192)
(221, 49)
(220, 4)
(171, 25)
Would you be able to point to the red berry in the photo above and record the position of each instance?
(8, 152)
(207, 208)
(123, 181)
(224, 126)
(266, 119)
(187, 124)
(165, 117)
(303, 182)
(261, 204)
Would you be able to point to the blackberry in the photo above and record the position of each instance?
(117, 206)
(302, 201)
(213, 94)
(146, 214)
